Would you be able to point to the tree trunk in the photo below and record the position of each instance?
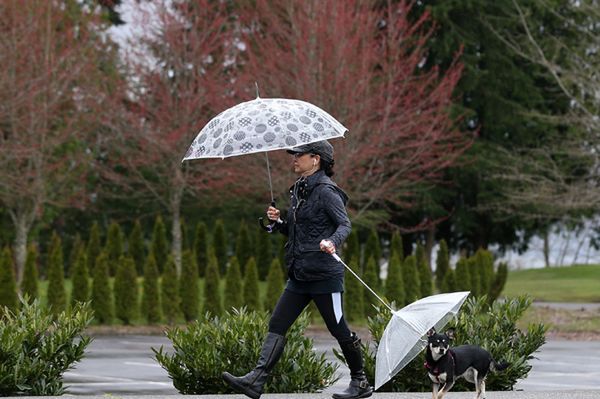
(429, 242)
(176, 231)
(20, 245)
(546, 249)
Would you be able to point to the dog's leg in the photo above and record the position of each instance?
(477, 382)
(436, 388)
(483, 388)
(447, 386)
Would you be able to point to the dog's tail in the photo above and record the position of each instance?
(499, 366)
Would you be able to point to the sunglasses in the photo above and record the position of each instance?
(301, 154)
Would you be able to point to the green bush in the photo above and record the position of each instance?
(424, 272)
(188, 286)
(151, 308)
(80, 278)
(93, 246)
(159, 246)
(220, 246)
(449, 282)
(394, 284)
(412, 285)
(264, 254)
(114, 247)
(30, 283)
(212, 292)
(102, 294)
(442, 263)
(462, 276)
(233, 342)
(352, 247)
(251, 293)
(135, 247)
(76, 246)
(371, 279)
(499, 281)
(243, 246)
(126, 290)
(353, 294)
(201, 247)
(8, 285)
(274, 285)
(233, 285)
(373, 249)
(397, 247)
(169, 290)
(492, 327)
(37, 348)
(57, 295)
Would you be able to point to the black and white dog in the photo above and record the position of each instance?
(445, 365)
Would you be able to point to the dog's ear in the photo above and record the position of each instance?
(450, 333)
(431, 332)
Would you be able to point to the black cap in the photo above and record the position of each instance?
(322, 148)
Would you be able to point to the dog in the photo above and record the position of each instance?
(445, 365)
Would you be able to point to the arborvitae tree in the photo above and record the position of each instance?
(201, 248)
(396, 246)
(135, 247)
(243, 246)
(74, 255)
(394, 284)
(499, 282)
(212, 292)
(373, 249)
(264, 254)
(57, 296)
(442, 264)
(474, 274)
(80, 278)
(485, 265)
(274, 285)
(220, 246)
(449, 282)
(170, 291)
(126, 290)
(151, 308)
(30, 283)
(353, 295)
(102, 294)
(160, 247)
(188, 286)
(424, 272)
(412, 284)
(251, 292)
(93, 246)
(462, 276)
(371, 279)
(8, 284)
(352, 247)
(185, 240)
(114, 247)
(233, 285)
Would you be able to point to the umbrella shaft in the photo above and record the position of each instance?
(269, 171)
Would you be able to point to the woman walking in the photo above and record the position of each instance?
(316, 226)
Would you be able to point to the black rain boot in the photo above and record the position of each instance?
(359, 386)
(252, 383)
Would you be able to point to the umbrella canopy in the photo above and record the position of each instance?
(404, 336)
(263, 124)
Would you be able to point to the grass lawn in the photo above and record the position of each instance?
(556, 284)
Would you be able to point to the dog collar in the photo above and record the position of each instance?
(435, 370)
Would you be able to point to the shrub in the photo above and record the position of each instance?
(102, 295)
(80, 278)
(151, 294)
(352, 247)
(201, 247)
(169, 289)
(373, 249)
(135, 247)
(370, 278)
(8, 285)
(74, 254)
(251, 293)
(274, 285)
(159, 246)
(243, 246)
(37, 348)
(492, 327)
(424, 272)
(264, 255)
(233, 343)
(397, 247)
(442, 263)
(57, 296)
(126, 290)
(499, 281)
(30, 283)
(93, 246)
(462, 276)
(212, 294)
(394, 284)
(188, 286)
(412, 287)
(233, 285)
(114, 247)
(449, 282)
(353, 295)
(220, 246)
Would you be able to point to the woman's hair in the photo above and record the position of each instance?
(327, 166)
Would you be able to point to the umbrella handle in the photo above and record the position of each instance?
(336, 257)
(269, 227)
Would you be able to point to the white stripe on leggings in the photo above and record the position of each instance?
(336, 297)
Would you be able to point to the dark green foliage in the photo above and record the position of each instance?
(80, 277)
(233, 343)
(397, 247)
(412, 284)
(264, 254)
(93, 246)
(353, 294)
(212, 293)
(474, 274)
(8, 284)
(188, 286)
(220, 246)
(371, 279)
(394, 284)
(449, 282)
(151, 308)
(37, 348)
(491, 327)
(159, 246)
(233, 285)
(243, 246)
(126, 290)
(169, 291)
(499, 281)
(74, 254)
(57, 296)
(114, 247)
(30, 283)
(251, 294)
(102, 294)
(373, 249)
(425, 278)
(201, 247)
(352, 246)
(135, 247)
(274, 285)
(462, 275)
(185, 241)
(442, 264)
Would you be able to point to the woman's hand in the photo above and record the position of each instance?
(273, 214)
(327, 246)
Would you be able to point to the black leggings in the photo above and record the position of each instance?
(291, 304)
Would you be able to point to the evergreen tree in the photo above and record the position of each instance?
(264, 254)
(212, 292)
(394, 284)
(114, 247)
(8, 284)
(462, 276)
(185, 241)
(201, 248)
(397, 247)
(159, 246)
(135, 247)
(243, 246)
(274, 285)
(30, 283)
(449, 282)
(151, 295)
(498, 282)
(371, 279)
(233, 285)
(485, 265)
(424, 272)
(188, 286)
(57, 296)
(352, 246)
(220, 246)
(102, 294)
(373, 249)
(251, 292)
(353, 295)
(74, 255)
(93, 246)
(442, 264)
(80, 278)
(126, 290)
(474, 274)
(169, 290)
(412, 285)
